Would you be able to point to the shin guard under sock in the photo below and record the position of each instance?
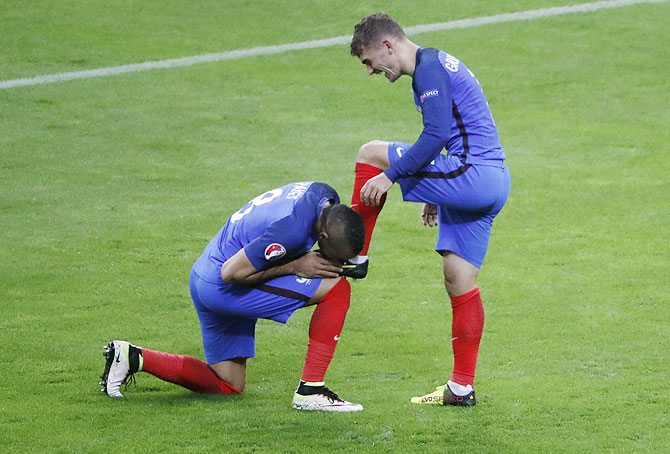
(369, 213)
(324, 331)
(466, 332)
(186, 371)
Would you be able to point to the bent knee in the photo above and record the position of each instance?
(460, 276)
(460, 285)
(374, 153)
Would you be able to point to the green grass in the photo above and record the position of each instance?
(111, 188)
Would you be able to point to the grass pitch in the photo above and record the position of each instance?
(112, 187)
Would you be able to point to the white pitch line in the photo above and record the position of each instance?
(268, 50)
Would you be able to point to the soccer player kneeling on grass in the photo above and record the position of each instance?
(258, 266)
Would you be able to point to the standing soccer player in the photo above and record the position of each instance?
(462, 190)
(258, 266)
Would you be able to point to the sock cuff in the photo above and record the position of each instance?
(367, 170)
(227, 388)
(460, 299)
(341, 288)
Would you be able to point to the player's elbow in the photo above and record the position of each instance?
(230, 275)
(238, 270)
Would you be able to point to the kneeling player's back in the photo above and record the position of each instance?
(295, 204)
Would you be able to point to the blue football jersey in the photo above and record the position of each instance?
(456, 116)
(275, 226)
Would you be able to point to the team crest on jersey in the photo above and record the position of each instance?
(429, 94)
(274, 251)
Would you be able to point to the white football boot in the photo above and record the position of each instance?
(320, 398)
(123, 360)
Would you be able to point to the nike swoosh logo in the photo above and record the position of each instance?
(336, 338)
(118, 355)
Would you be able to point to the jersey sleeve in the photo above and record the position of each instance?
(284, 238)
(432, 86)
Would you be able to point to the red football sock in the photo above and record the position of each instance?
(185, 371)
(369, 213)
(466, 332)
(324, 331)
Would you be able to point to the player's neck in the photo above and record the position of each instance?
(407, 54)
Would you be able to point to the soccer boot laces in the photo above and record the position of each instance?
(122, 360)
(320, 398)
(443, 395)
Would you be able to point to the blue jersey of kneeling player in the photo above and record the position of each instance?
(275, 226)
(456, 116)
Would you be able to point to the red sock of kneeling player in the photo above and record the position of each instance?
(466, 332)
(186, 371)
(369, 213)
(324, 331)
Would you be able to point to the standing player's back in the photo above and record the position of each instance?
(474, 136)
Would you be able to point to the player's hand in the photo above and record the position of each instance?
(429, 214)
(373, 190)
(313, 265)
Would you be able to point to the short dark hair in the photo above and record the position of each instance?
(345, 227)
(371, 29)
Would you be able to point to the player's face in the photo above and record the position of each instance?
(381, 59)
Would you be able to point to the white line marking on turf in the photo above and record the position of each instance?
(268, 50)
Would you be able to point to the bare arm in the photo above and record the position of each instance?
(238, 269)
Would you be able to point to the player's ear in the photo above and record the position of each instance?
(323, 235)
(388, 46)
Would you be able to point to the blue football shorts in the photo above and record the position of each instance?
(468, 196)
(228, 313)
